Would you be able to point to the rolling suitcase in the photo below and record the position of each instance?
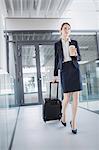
(52, 106)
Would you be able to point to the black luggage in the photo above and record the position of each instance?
(52, 107)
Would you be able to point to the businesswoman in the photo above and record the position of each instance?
(67, 55)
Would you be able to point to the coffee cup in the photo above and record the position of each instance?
(72, 50)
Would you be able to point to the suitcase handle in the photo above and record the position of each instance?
(51, 86)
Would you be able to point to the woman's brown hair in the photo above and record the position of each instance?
(64, 24)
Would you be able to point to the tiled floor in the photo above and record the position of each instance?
(32, 133)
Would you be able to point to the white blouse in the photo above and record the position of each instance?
(65, 45)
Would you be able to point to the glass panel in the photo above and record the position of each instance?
(88, 46)
(90, 78)
(8, 111)
(3, 114)
(89, 96)
(29, 74)
(12, 110)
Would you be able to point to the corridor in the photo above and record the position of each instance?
(32, 133)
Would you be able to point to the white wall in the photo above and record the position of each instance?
(11, 58)
(80, 22)
(98, 20)
(33, 24)
(83, 15)
(83, 21)
(2, 45)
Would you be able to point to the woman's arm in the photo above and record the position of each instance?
(56, 60)
(78, 52)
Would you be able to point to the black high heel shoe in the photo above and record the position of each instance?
(74, 131)
(63, 123)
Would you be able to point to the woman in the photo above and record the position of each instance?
(67, 55)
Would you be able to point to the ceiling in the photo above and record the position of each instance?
(36, 8)
(47, 8)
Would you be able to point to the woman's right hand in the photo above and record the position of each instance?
(72, 50)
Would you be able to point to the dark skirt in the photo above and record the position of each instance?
(70, 77)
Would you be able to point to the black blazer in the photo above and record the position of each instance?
(59, 57)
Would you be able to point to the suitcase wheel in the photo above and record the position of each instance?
(60, 116)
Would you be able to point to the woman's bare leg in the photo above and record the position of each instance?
(74, 108)
(64, 106)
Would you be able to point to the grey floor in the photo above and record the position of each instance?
(32, 133)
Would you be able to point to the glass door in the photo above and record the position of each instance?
(31, 74)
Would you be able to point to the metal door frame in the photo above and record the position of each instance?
(36, 44)
(21, 91)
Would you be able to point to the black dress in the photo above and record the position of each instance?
(70, 77)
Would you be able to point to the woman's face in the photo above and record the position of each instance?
(65, 31)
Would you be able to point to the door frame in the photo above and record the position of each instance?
(37, 50)
(21, 91)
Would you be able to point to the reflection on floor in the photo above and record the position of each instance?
(32, 133)
(90, 105)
